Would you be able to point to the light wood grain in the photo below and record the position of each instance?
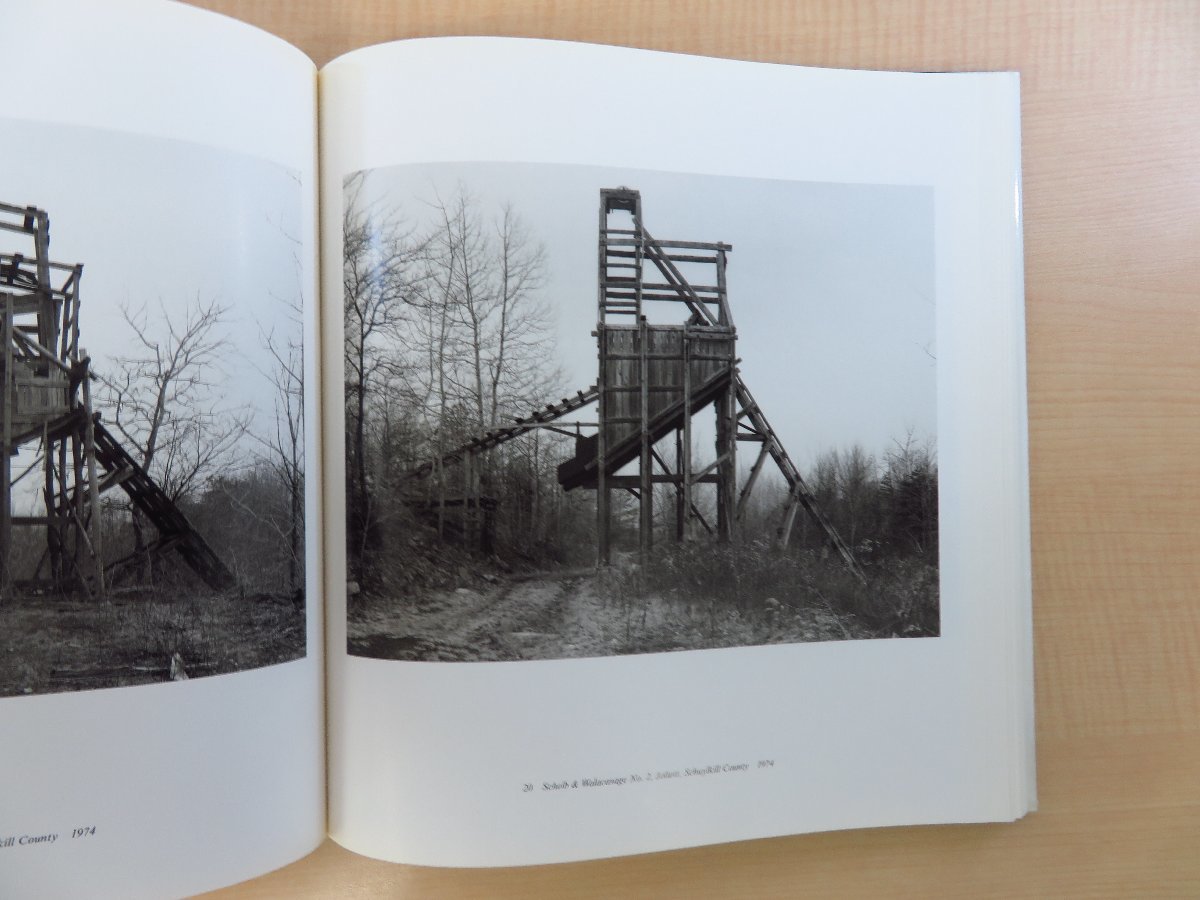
(1111, 120)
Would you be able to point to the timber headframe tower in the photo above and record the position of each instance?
(655, 378)
(45, 401)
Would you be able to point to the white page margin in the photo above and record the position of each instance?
(428, 759)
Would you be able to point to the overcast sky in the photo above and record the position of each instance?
(162, 221)
(831, 286)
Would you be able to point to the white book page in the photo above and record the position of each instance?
(174, 153)
(502, 763)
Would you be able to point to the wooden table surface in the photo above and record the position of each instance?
(1111, 123)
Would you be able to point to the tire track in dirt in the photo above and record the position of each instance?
(517, 619)
(562, 615)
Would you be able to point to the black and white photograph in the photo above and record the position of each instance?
(152, 511)
(594, 412)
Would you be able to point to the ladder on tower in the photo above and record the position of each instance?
(622, 254)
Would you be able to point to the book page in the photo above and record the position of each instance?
(684, 492)
(161, 662)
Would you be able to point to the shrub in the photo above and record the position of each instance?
(899, 597)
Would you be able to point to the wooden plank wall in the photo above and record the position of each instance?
(666, 375)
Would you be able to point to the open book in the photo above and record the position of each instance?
(637, 460)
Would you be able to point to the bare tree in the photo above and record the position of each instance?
(462, 268)
(517, 366)
(283, 445)
(858, 488)
(166, 400)
(489, 329)
(380, 275)
(281, 442)
(446, 336)
(487, 276)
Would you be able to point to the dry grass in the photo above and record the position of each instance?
(693, 596)
(50, 644)
(746, 594)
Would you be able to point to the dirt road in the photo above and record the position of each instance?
(561, 615)
(531, 618)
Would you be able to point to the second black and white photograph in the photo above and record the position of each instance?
(594, 412)
(151, 412)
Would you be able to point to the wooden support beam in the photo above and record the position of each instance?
(94, 520)
(685, 460)
(712, 466)
(624, 481)
(661, 462)
(725, 464)
(646, 522)
(800, 493)
(789, 519)
(681, 245)
(724, 316)
(653, 388)
(602, 499)
(52, 499)
(40, 351)
(658, 297)
(6, 449)
(680, 509)
(675, 257)
(678, 282)
(33, 465)
(77, 479)
(744, 496)
(674, 356)
(623, 284)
